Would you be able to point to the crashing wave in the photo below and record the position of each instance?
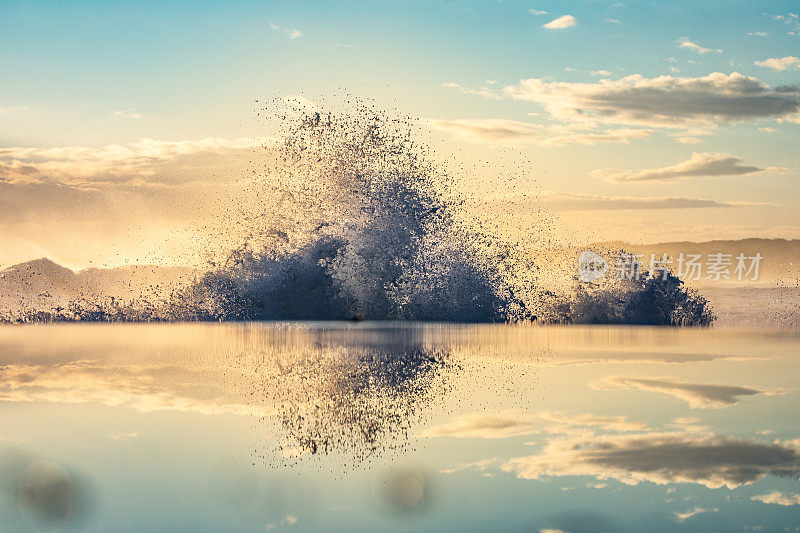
(370, 232)
(657, 301)
(366, 227)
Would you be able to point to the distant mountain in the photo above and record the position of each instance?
(780, 263)
(42, 283)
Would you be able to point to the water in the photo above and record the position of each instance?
(387, 426)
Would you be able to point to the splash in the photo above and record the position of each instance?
(367, 228)
(355, 222)
(659, 301)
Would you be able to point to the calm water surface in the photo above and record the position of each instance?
(321, 426)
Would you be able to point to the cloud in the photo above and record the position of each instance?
(124, 437)
(778, 498)
(301, 101)
(781, 63)
(537, 12)
(789, 18)
(143, 389)
(694, 47)
(293, 33)
(127, 113)
(482, 91)
(698, 395)
(480, 466)
(588, 202)
(140, 162)
(661, 458)
(757, 33)
(565, 423)
(506, 424)
(664, 101)
(511, 132)
(485, 426)
(793, 19)
(698, 165)
(561, 22)
(604, 73)
(288, 520)
(612, 21)
(683, 517)
(4, 110)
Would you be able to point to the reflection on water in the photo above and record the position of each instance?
(362, 400)
(266, 426)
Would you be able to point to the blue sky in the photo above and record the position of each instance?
(95, 74)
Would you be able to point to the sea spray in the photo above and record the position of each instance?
(372, 232)
(358, 223)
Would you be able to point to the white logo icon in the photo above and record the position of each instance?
(591, 266)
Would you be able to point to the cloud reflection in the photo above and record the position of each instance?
(698, 395)
(671, 457)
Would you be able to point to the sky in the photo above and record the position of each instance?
(123, 127)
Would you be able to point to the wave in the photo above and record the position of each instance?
(365, 227)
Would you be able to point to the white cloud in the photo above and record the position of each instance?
(293, 33)
(301, 101)
(4, 110)
(486, 426)
(137, 162)
(288, 520)
(537, 12)
(675, 457)
(482, 91)
(793, 19)
(480, 466)
(778, 498)
(698, 395)
(506, 424)
(757, 34)
(604, 73)
(664, 101)
(698, 165)
(612, 21)
(135, 387)
(781, 63)
(789, 18)
(127, 113)
(589, 202)
(566, 423)
(565, 21)
(511, 132)
(683, 517)
(694, 47)
(125, 437)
